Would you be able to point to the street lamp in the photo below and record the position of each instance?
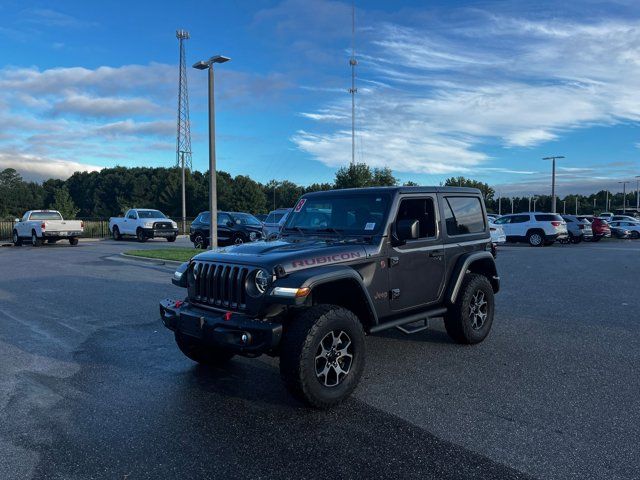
(553, 180)
(624, 196)
(275, 185)
(535, 199)
(637, 194)
(213, 200)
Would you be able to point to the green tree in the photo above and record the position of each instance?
(486, 190)
(360, 175)
(63, 202)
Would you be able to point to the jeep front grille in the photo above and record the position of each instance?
(218, 285)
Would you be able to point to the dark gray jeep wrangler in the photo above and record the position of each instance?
(347, 263)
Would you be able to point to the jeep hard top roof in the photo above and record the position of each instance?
(395, 190)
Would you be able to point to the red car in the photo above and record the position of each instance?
(600, 229)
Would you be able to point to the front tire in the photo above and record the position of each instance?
(199, 241)
(141, 236)
(196, 351)
(322, 355)
(17, 241)
(635, 234)
(73, 241)
(469, 320)
(238, 239)
(172, 239)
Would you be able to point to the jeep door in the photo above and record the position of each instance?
(416, 266)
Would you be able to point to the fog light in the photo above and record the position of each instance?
(244, 338)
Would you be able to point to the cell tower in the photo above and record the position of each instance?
(353, 90)
(183, 137)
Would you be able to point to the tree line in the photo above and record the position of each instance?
(112, 191)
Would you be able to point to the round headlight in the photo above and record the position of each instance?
(252, 236)
(262, 280)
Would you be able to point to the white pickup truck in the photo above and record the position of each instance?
(143, 223)
(41, 225)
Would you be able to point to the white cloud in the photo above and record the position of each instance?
(36, 168)
(444, 93)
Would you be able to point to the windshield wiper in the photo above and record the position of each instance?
(300, 230)
(332, 230)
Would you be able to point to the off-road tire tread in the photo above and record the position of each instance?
(458, 329)
(298, 338)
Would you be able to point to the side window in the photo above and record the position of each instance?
(131, 215)
(422, 210)
(502, 220)
(520, 219)
(463, 215)
(223, 219)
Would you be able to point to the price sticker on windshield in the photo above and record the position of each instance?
(370, 226)
(300, 204)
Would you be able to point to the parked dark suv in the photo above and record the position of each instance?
(347, 263)
(233, 228)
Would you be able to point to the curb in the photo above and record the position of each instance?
(152, 261)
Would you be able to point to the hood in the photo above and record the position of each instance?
(148, 220)
(291, 254)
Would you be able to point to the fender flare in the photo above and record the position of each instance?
(314, 277)
(460, 271)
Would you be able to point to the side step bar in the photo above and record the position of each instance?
(437, 312)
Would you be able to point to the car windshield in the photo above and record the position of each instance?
(150, 214)
(352, 214)
(274, 218)
(45, 216)
(245, 219)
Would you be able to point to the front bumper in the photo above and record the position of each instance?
(239, 333)
(160, 233)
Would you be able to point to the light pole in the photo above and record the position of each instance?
(499, 204)
(624, 196)
(606, 203)
(535, 199)
(564, 207)
(637, 194)
(553, 180)
(511, 204)
(213, 200)
(576, 204)
(275, 185)
(529, 203)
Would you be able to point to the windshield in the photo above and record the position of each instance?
(150, 214)
(274, 218)
(359, 214)
(45, 216)
(246, 219)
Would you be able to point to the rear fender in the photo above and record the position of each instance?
(477, 262)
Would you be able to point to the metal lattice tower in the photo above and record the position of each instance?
(183, 137)
(353, 90)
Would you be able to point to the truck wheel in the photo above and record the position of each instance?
(115, 233)
(322, 355)
(35, 241)
(196, 351)
(199, 241)
(238, 239)
(17, 241)
(469, 319)
(535, 239)
(172, 239)
(73, 241)
(141, 236)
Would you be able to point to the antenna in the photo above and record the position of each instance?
(183, 136)
(353, 62)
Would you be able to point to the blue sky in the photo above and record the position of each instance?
(480, 89)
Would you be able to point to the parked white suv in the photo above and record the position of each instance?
(536, 228)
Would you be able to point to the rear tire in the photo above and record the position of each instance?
(196, 351)
(73, 241)
(596, 239)
(172, 239)
(35, 241)
(141, 236)
(199, 241)
(322, 355)
(635, 234)
(470, 318)
(115, 233)
(17, 241)
(535, 238)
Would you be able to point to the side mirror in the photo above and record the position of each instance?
(407, 230)
(16, 220)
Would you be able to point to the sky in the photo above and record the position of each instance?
(445, 88)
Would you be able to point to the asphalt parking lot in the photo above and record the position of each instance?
(92, 386)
